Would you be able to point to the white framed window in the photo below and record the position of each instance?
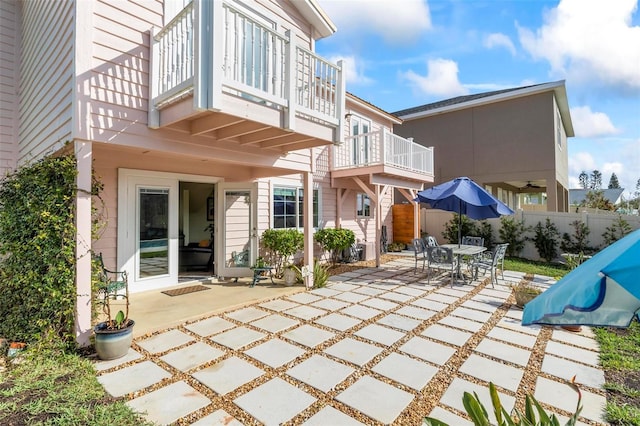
(288, 211)
(558, 129)
(363, 205)
(360, 128)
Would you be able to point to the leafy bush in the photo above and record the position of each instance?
(281, 245)
(451, 228)
(546, 240)
(513, 232)
(334, 241)
(485, 231)
(579, 241)
(320, 274)
(618, 229)
(37, 250)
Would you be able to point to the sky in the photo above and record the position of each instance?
(404, 53)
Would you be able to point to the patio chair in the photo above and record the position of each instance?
(441, 258)
(491, 262)
(419, 253)
(473, 241)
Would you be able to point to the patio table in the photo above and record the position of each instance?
(464, 250)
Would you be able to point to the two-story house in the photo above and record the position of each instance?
(511, 141)
(206, 121)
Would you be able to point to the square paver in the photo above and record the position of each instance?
(504, 351)
(432, 305)
(383, 305)
(170, 403)
(210, 326)
(576, 339)
(330, 416)
(380, 334)
(325, 292)
(396, 297)
(371, 291)
(227, 375)
(274, 402)
(305, 312)
(513, 337)
(461, 323)
(448, 417)
(192, 356)
(309, 335)
(275, 323)
(438, 296)
(410, 291)
(361, 312)
(330, 304)
(351, 297)
(338, 321)
(275, 352)
(490, 306)
(566, 369)
(399, 321)
(454, 393)
(560, 395)
(343, 286)
(131, 355)
(320, 372)
(247, 314)
(238, 337)
(376, 399)
(405, 370)
(434, 352)
(486, 369)
(218, 418)
(353, 351)
(304, 297)
(471, 314)
(278, 305)
(164, 341)
(415, 312)
(584, 356)
(132, 378)
(447, 334)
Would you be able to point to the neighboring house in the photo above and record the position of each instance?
(207, 124)
(577, 196)
(511, 141)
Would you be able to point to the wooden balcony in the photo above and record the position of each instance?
(382, 158)
(219, 72)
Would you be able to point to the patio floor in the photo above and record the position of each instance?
(376, 346)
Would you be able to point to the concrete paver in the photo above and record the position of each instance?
(228, 374)
(133, 378)
(453, 396)
(338, 321)
(488, 370)
(406, 370)
(218, 418)
(380, 334)
(584, 356)
(170, 403)
(513, 337)
(210, 326)
(309, 335)
(274, 323)
(504, 351)
(461, 323)
(192, 356)
(331, 416)
(415, 312)
(447, 334)
(361, 312)
(321, 372)
(275, 352)
(330, 305)
(434, 352)
(247, 314)
(238, 337)
(565, 369)
(560, 395)
(399, 321)
(165, 341)
(305, 312)
(353, 351)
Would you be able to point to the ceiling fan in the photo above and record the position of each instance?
(530, 185)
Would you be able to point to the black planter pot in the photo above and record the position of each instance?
(114, 343)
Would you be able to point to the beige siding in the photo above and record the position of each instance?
(8, 84)
(46, 78)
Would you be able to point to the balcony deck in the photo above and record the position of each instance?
(219, 72)
(382, 158)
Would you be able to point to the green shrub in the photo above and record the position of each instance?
(451, 228)
(579, 241)
(618, 229)
(37, 250)
(334, 241)
(281, 245)
(320, 274)
(546, 240)
(513, 232)
(485, 231)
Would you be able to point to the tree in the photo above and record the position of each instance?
(584, 180)
(595, 200)
(596, 180)
(613, 182)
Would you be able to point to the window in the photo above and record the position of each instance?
(288, 207)
(559, 129)
(363, 205)
(360, 126)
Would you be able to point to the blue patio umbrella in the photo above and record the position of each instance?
(464, 196)
(604, 290)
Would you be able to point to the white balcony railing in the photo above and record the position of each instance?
(212, 47)
(383, 148)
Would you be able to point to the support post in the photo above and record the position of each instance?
(83, 152)
(308, 227)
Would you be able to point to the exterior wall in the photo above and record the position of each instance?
(9, 56)
(45, 78)
(562, 149)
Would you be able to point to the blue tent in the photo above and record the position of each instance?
(603, 291)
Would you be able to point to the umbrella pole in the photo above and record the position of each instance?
(460, 226)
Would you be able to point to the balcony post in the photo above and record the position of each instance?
(200, 58)
(153, 115)
(216, 70)
(340, 103)
(290, 82)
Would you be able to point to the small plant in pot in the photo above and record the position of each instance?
(113, 336)
(525, 292)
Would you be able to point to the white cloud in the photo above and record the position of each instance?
(581, 161)
(589, 41)
(353, 69)
(396, 24)
(441, 79)
(499, 40)
(590, 124)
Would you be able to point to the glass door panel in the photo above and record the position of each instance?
(238, 242)
(153, 231)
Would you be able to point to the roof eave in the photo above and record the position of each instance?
(317, 17)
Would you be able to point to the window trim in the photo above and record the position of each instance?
(364, 197)
(298, 214)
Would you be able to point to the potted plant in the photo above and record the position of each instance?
(291, 274)
(113, 336)
(525, 292)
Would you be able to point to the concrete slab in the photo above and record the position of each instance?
(247, 315)
(410, 291)
(362, 312)
(583, 356)
(461, 323)
(275, 323)
(192, 356)
(500, 350)
(131, 355)
(481, 306)
(304, 298)
(500, 374)
(432, 305)
(330, 416)
(447, 334)
(351, 297)
(278, 305)
(560, 395)
(396, 297)
(416, 312)
(227, 375)
(331, 305)
(274, 402)
(565, 369)
(399, 321)
(454, 393)
(383, 305)
(353, 351)
(380, 334)
(320, 372)
(513, 337)
(343, 286)
(576, 339)
(308, 335)
(516, 325)
(406, 370)
(442, 298)
(472, 314)
(132, 378)
(448, 417)
(165, 341)
(325, 292)
(238, 337)
(305, 312)
(338, 321)
(428, 350)
(369, 291)
(170, 403)
(275, 352)
(376, 399)
(210, 326)
(218, 418)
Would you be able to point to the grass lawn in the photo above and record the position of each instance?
(56, 388)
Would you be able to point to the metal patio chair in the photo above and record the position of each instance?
(441, 258)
